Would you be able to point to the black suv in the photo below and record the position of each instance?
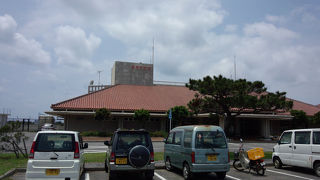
(130, 151)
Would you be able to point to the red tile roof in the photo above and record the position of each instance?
(308, 108)
(157, 98)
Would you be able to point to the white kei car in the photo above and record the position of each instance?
(56, 155)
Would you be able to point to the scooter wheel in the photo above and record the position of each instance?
(237, 165)
(260, 170)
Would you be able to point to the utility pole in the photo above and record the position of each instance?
(99, 76)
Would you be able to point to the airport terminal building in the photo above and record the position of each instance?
(132, 88)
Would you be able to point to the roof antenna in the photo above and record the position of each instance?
(153, 51)
(235, 68)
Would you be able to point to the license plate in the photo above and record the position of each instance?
(121, 161)
(212, 157)
(263, 164)
(52, 172)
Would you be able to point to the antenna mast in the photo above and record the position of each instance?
(235, 68)
(153, 51)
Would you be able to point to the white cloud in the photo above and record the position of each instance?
(231, 28)
(74, 48)
(269, 31)
(276, 19)
(15, 48)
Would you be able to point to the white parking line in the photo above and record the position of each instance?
(301, 177)
(87, 177)
(160, 177)
(231, 177)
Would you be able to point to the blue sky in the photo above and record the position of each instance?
(50, 50)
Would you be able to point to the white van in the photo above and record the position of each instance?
(56, 155)
(300, 147)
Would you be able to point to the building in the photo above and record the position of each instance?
(133, 89)
(3, 119)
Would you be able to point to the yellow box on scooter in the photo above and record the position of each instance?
(256, 153)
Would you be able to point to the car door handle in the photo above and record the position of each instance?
(290, 146)
(294, 147)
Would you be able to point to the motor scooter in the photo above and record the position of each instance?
(251, 159)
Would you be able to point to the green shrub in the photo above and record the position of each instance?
(159, 134)
(95, 133)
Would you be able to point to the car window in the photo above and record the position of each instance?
(187, 139)
(54, 142)
(127, 140)
(170, 138)
(286, 138)
(177, 138)
(210, 139)
(316, 137)
(302, 137)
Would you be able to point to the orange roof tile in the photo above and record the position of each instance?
(157, 98)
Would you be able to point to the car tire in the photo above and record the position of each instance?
(317, 169)
(112, 175)
(149, 174)
(139, 156)
(106, 166)
(187, 174)
(168, 164)
(221, 175)
(277, 163)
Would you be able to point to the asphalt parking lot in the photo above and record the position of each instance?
(292, 173)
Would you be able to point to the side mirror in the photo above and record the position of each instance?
(107, 143)
(278, 142)
(165, 141)
(85, 146)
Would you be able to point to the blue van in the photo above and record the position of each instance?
(197, 149)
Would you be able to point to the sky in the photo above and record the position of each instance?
(51, 49)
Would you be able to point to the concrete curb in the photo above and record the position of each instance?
(12, 172)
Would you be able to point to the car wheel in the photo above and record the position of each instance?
(221, 175)
(168, 164)
(186, 171)
(139, 156)
(277, 163)
(112, 175)
(317, 169)
(149, 174)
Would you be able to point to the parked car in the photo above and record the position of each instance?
(130, 151)
(57, 155)
(298, 148)
(47, 126)
(197, 149)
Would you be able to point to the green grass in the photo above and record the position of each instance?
(94, 157)
(9, 161)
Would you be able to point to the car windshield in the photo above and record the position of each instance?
(54, 142)
(210, 139)
(127, 140)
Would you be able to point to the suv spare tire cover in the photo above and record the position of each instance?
(139, 156)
